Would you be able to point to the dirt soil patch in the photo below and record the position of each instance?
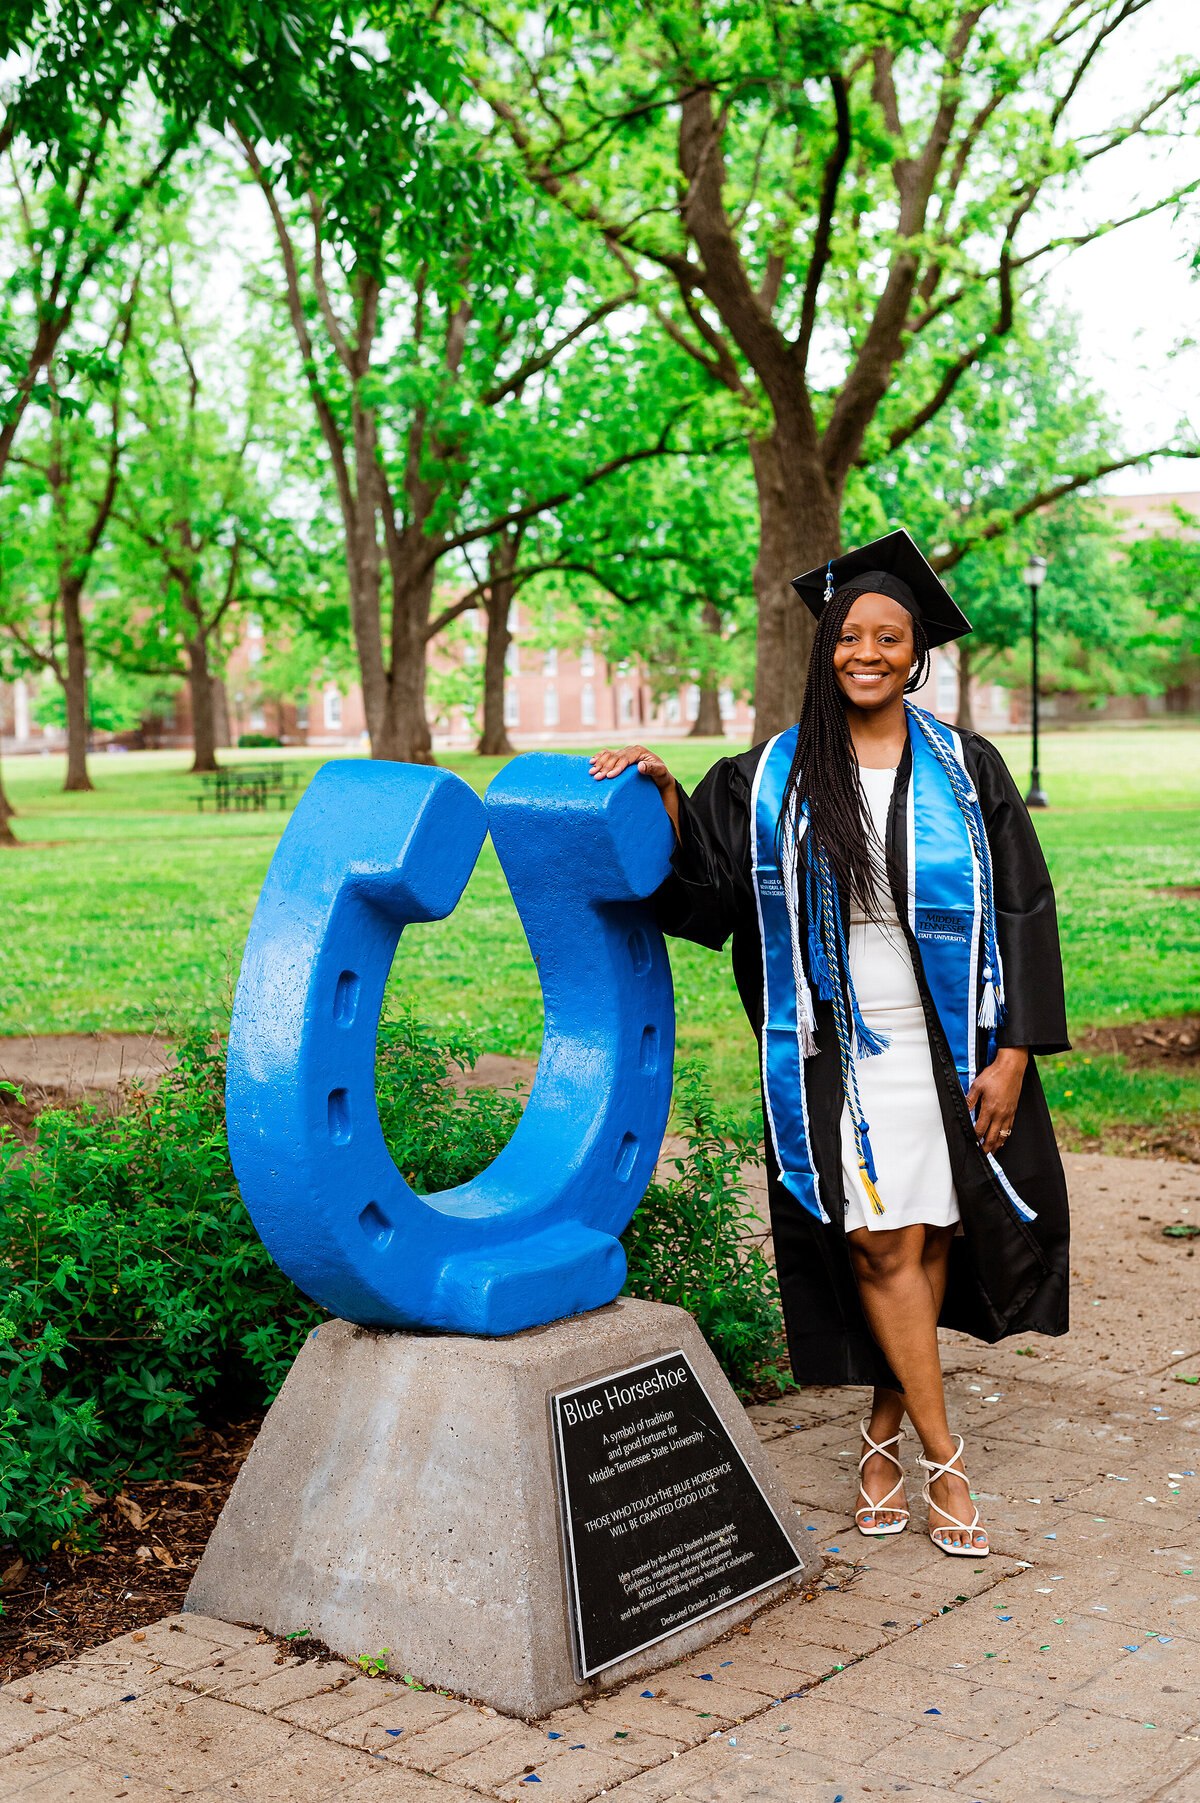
(151, 1538)
(1180, 1140)
(1147, 1043)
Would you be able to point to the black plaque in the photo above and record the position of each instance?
(663, 1521)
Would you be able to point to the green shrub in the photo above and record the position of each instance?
(137, 1301)
(134, 1291)
(133, 1288)
(697, 1242)
(258, 741)
(438, 1138)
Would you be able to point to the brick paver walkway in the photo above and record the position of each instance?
(1066, 1666)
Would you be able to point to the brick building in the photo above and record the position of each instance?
(552, 696)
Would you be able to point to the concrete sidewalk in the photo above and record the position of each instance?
(1066, 1666)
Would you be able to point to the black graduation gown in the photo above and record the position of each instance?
(1006, 1275)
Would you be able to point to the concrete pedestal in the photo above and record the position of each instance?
(402, 1494)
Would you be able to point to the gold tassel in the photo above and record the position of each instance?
(872, 1192)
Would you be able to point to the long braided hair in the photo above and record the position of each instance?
(823, 779)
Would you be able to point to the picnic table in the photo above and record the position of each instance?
(247, 788)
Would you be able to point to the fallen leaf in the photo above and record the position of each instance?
(125, 1505)
(11, 1576)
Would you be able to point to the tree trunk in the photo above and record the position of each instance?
(200, 689)
(364, 565)
(709, 724)
(494, 741)
(75, 687)
(404, 735)
(798, 529)
(7, 812)
(222, 736)
(964, 721)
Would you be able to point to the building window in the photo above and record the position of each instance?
(587, 705)
(302, 717)
(470, 653)
(512, 660)
(691, 703)
(671, 710)
(514, 624)
(254, 651)
(512, 708)
(258, 720)
(947, 686)
(550, 662)
(550, 705)
(727, 704)
(625, 705)
(587, 661)
(254, 626)
(333, 710)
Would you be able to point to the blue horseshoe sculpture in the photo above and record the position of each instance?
(370, 849)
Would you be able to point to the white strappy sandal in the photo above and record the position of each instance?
(972, 1527)
(867, 1507)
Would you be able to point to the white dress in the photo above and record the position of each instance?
(896, 1088)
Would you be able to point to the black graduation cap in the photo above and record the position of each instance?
(888, 566)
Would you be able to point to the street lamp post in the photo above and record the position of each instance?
(1035, 575)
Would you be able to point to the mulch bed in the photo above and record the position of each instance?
(20, 1111)
(1147, 1043)
(21, 1115)
(151, 1538)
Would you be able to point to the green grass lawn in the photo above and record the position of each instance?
(128, 908)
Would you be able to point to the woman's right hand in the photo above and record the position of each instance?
(606, 764)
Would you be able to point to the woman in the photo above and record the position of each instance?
(896, 950)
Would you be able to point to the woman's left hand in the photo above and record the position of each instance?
(995, 1094)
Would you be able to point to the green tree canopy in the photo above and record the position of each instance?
(828, 189)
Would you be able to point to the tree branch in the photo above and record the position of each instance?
(295, 301)
(534, 365)
(958, 369)
(450, 614)
(1046, 497)
(337, 336)
(914, 179)
(532, 508)
(834, 167)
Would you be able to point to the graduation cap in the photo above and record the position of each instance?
(894, 567)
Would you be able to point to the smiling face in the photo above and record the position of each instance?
(874, 655)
